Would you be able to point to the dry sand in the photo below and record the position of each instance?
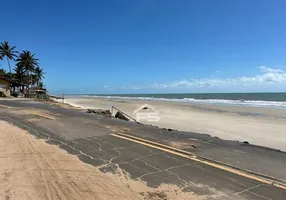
(33, 169)
(259, 126)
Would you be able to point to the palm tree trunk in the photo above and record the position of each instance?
(31, 78)
(21, 81)
(27, 87)
(30, 81)
(27, 78)
(9, 67)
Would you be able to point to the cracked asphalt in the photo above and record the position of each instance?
(88, 137)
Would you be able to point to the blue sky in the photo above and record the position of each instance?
(152, 46)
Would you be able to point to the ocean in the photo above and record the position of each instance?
(276, 100)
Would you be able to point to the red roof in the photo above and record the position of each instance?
(37, 88)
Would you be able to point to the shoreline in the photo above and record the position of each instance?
(258, 126)
(252, 103)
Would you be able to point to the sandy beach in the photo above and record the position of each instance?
(259, 126)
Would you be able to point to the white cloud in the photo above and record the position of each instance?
(106, 86)
(266, 77)
(270, 70)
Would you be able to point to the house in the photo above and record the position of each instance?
(37, 92)
(5, 85)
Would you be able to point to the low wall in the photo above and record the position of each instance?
(5, 87)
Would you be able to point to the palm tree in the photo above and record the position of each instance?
(9, 52)
(2, 72)
(41, 85)
(33, 79)
(19, 72)
(29, 62)
(39, 72)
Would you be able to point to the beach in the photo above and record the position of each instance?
(262, 126)
(51, 151)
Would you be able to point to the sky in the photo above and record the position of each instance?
(152, 46)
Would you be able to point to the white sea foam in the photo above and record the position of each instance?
(250, 103)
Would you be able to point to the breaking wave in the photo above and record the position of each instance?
(250, 103)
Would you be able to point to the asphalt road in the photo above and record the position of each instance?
(89, 137)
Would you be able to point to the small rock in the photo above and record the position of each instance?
(89, 111)
(162, 195)
(106, 113)
(119, 115)
(156, 195)
(168, 129)
(245, 142)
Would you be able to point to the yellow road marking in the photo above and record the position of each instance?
(191, 156)
(3, 106)
(158, 144)
(33, 113)
(200, 157)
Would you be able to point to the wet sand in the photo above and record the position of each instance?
(259, 126)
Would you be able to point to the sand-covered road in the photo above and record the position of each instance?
(32, 169)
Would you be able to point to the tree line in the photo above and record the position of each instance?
(26, 71)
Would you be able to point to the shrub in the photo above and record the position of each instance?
(15, 94)
(2, 94)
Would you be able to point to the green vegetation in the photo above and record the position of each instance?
(2, 72)
(26, 71)
(15, 94)
(2, 94)
(9, 52)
